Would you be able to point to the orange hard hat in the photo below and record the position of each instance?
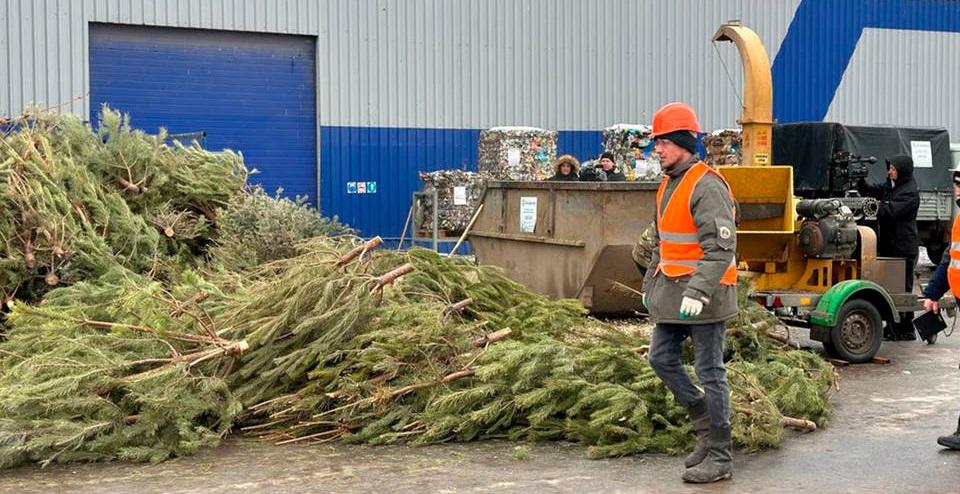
(675, 116)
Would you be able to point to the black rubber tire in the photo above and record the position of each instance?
(858, 333)
(829, 349)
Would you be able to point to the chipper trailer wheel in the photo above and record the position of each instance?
(858, 332)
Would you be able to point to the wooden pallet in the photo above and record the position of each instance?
(843, 363)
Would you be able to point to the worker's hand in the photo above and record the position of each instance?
(690, 307)
(931, 305)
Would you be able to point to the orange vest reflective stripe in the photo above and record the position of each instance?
(680, 250)
(953, 271)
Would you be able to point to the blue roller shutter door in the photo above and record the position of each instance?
(251, 92)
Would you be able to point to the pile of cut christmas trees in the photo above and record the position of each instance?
(151, 345)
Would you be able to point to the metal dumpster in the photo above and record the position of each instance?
(567, 239)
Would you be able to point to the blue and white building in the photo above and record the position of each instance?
(319, 94)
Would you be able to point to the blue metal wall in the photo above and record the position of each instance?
(255, 93)
(392, 158)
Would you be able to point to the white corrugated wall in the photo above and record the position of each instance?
(564, 64)
(902, 77)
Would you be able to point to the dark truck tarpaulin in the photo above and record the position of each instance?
(809, 148)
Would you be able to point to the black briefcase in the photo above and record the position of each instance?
(929, 324)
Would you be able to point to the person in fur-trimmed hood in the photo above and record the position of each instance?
(566, 169)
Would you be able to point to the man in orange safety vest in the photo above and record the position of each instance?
(690, 287)
(947, 278)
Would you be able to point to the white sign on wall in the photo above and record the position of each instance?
(528, 214)
(459, 196)
(922, 154)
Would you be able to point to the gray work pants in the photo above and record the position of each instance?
(665, 349)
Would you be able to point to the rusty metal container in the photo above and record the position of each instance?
(567, 239)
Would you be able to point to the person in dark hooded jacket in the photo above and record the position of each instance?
(565, 169)
(897, 223)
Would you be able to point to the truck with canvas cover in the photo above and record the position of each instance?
(829, 158)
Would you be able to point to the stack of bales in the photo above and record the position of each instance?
(632, 148)
(517, 153)
(723, 147)
(458, 194)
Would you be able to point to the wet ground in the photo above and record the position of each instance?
(882, 437)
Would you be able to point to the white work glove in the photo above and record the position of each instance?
(690, 307)
(931, 305)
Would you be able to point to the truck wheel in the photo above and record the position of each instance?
(858, 333)
(830, 348)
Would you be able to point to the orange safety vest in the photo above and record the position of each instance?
(953, 271)
(680, 250)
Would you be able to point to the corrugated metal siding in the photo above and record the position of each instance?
(404, 85)
(563, 64)
(913, 88)
(391, 157)
(45, 42)
(909, 40)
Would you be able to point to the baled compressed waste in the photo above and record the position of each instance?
(458, 195)
(517, 153)
(632, 148)
(724, 147)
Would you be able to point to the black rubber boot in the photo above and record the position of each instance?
(719, 462)
(905, 330)
(904, 336)
(952, 441)
(701, 427)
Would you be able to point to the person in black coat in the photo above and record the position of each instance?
(565, 169)
(610, 168)
(897, 223)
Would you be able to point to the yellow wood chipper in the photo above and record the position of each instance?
(809, 260)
